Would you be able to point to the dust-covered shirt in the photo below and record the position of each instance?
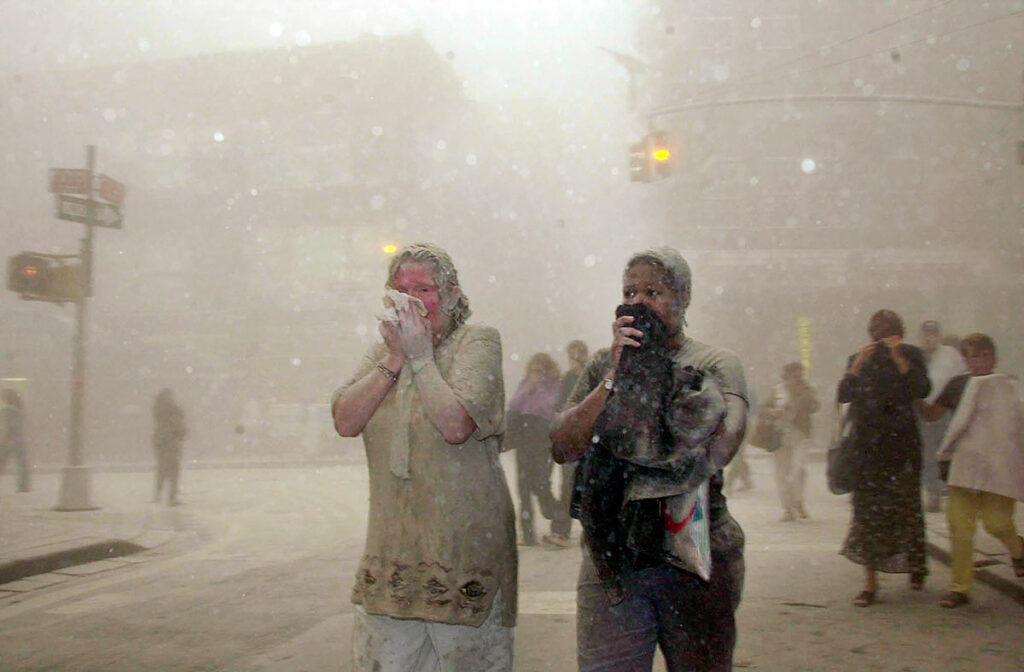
(721, 364)
(441, 543)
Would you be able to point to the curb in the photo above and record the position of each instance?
(66, 557)
(1012, 589)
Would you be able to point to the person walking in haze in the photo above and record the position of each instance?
(436, 586)
(12, 437)
(983, 456)
(944, 362)
(169, 431)
(528, 418)
(561, 523)
(739, 469)
(656, 604)
(881, 384)
(791, 405)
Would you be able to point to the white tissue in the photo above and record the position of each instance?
(394, 301)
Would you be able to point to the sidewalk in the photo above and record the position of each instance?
(40, 546)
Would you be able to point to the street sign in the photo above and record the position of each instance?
(75, 209)
(111, 190)
(69, 181)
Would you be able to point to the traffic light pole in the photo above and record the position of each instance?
(75, 492)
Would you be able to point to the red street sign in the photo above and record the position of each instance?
(111, 191)
(69, 181)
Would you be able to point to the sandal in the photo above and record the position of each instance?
(953, 599)
(865, 598)
(916, 581)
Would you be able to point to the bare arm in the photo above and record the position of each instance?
(931, 412)
(573, 428)
(354, 408)
(442, 407)
(729, 439)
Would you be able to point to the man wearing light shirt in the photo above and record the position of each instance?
(944, 362)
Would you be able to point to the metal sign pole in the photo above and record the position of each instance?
(75, 492)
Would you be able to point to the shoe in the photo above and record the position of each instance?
(527, 542)
(174, 502)
(801, 511)
(953, 599)
(557, 542)
(865, 598)
(787, 517)
(916, 581)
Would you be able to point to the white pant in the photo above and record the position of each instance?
(791, 470)
(386, 644)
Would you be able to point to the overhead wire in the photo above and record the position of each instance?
(889, 49)
(818, 52)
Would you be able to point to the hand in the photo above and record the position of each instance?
(898, 358)
(390, 332)
(623, 335)
(862, 356)
(414, 334)
(893, 343)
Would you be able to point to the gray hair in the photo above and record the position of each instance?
(445, 277)
(675, 269)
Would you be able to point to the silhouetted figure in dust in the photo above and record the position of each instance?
(169, 431)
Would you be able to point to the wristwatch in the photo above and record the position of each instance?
(609, 383)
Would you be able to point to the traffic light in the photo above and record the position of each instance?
(42, 277)
(652, 158)
(640, 168)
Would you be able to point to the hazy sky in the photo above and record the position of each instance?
(533, 47)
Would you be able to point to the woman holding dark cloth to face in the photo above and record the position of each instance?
(661, 605)
(882, 382)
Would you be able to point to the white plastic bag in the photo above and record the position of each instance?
(687, 531)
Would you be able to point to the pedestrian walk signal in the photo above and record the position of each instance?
(651, 159)
(43, 277)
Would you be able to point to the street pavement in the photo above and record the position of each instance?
(42, 549)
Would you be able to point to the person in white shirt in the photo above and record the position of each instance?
(944, 362)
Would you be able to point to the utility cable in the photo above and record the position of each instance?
(927, 39)
(818, 53)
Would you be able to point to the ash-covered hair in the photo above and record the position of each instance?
(454, 304)
(675, 270)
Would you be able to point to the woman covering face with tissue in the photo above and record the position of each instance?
(436, 587)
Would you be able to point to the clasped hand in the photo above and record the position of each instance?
(410, 337)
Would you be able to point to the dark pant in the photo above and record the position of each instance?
(561, 522)
(168, 470)
(691, 621)
(533, 476)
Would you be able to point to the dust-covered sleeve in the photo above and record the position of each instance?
(593, 373)
(476, 379)
(374, 354)
(727, 370)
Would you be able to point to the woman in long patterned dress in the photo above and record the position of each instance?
(882, 382)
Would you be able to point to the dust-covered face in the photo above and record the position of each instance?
(645, 283)
(416, 278)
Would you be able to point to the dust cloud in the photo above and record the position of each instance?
(826, 161)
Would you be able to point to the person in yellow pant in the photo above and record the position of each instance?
(982, 457)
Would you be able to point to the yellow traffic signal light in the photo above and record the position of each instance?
(651, 159)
